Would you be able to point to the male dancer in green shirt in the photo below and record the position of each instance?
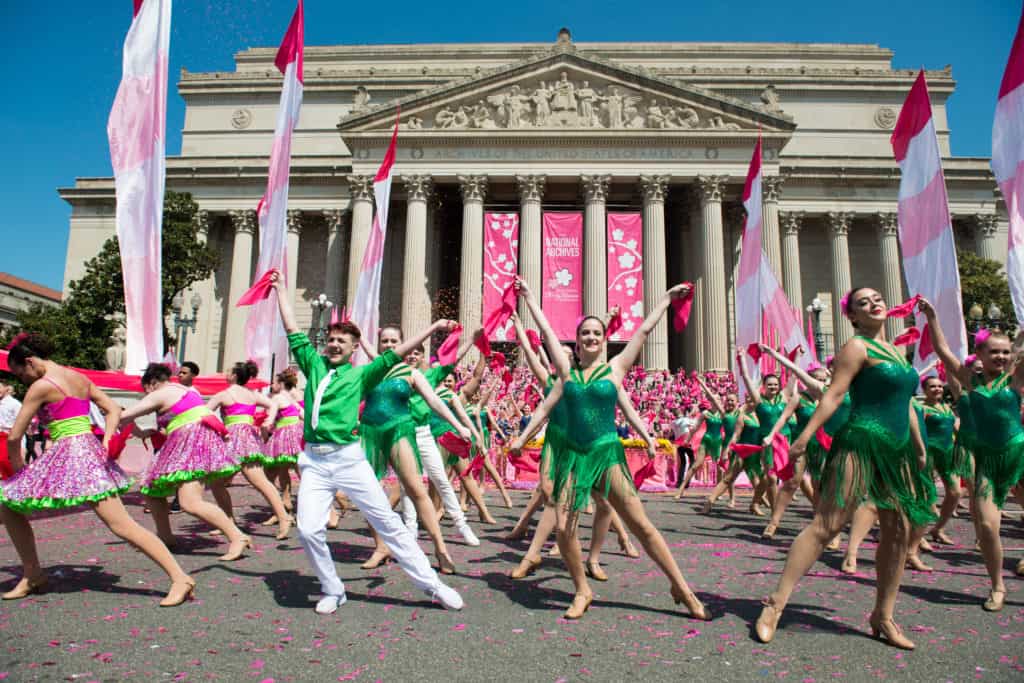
(334, 460)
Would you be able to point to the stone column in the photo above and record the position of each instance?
(655, 352)
(474, 188)
(333, 284)
(892, 279)
(985, 227)
(694, 335)
(839, 229)
(736, 218)
(531, 192)
(791, 223)
(295, 226)
(415, 297)
(244, 223)
(771, 188)
(595, 244)
(201, 344)
(716, 337)
(360, 187)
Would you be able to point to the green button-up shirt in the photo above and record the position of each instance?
(339, 408)
(418, 406)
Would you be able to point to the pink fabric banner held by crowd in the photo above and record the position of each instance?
(136, 131)
(625, 271)
(1008, 163)
(562, 288)
(501, 260)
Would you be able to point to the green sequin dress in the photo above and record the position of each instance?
(883, 467)
(554, 434)
(998, 439)
(925, 477)
(751, 435)
(712, 440)
(386, 420)
(768, 413)
(439, 425)
(728, 428)
(802, 415)
(963, 444)
(941, 423)
(817, 454)
(592, 446)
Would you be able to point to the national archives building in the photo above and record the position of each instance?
(665, 130)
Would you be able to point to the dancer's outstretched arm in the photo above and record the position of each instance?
(848, 362)
(814, 387)
(473, 383)
(460, 412)
(414, 341)
(953, 365)
(634, 420)
(741, 362)
(532, 359)
(712, 396)
(791, 405)
(283, 304)
(538, 418)
(421, 385)
(555, 353)
(624, 361)
(916, 440)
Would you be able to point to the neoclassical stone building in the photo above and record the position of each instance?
(666, 129)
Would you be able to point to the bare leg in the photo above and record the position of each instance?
(569, 546)
(470, 488)
(808, 490)
(863, 519)
(24, 541)
(782, 500)
(541, 534)
(190, 495)
(626, 502)
(489, 466)
(523, 523)
(111, 511)
(602, 520)
(254, 473)
(987, 520)
(950, 501)
(404, 462)
(893, 538)
(723, 484)
(914, 560)
(732, 493)
(160, 512)
(222, 497)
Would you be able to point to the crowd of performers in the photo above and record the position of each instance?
(853, 436)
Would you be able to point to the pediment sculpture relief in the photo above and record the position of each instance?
(565, 103)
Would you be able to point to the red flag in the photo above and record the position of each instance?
(681, 310)
(924, 349)
(447, 353)
(118, 441)
(454, 444)
(500, 315)
(497, 361)
(754, 351)
(745, 450)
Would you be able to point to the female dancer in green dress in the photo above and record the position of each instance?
(594, 457)
(958, 469)
(873, 458)
(453, 462)
(388, 433)
(746, 431)
(712, 441)
(995, 404)
(768, 406)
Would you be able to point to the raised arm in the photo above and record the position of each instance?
(815, 387)
(624, 361)
(283, 304)
(791, 405)
(421, 385)
(370, 353)
(741, 363)
(538, 418)
(555, 353)
(464, 418)
(216, 401)
(403, 349)
(473, 383)
(941, 346)
(536, 367)
(468, 344)
(849, 361)
(712, 396)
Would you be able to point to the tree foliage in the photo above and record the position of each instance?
(81, 326)
(983, 282)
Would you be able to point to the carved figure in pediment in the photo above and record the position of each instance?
(770, 100)
(413, 123)
(448, 118)
(718, 123)
(681, 117)
(361, 99)
(480, 116)
(565, 95)
(541, 99)
(587, 112)
(655, 116)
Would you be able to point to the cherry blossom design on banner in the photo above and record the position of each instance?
(625, 271)
(501, 261)
(562, 295)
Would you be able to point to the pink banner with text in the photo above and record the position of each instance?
(625, 271)
(562, 296)
(501, 258)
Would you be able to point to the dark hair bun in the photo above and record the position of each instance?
(30, 345)
(156, 372)
(245, 371)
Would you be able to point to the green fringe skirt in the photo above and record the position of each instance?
(881, 470)
(999, 468)
(952, 463)
(379, 440)
(712, 446)
(580, 469)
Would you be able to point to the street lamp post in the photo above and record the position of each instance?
(815, 310)
(184, 324)
(321, 304)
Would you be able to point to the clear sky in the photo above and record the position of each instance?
(63, 63)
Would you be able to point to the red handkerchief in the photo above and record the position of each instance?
(454, 444)
(615, 324)
(214, 423)
(258, 292)
(497, 361)
(484, 344)
(780, 458)
(907, 338)
(448, 352)
(534, 338)
(681, 308)
(500, 315)
(754, 351)
(641, 475)
(158, 439)
(925, 349)
(118, 441)
(905, 308)
(824, 439)
(745, 450)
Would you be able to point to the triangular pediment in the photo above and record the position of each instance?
(567, 90)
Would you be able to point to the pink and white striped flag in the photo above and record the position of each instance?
(136, 131)
(926, 232)
(758, 293)
(1008, 163)
(264, 333)
(366, 304)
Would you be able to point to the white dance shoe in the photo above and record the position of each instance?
(467, 534)
(329, 604)
(447, 596)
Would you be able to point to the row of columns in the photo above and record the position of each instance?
(709, 340)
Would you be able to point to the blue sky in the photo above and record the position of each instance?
(63, 59)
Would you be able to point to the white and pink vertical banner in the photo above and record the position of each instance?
(626, 271)
(501, 260)
(562, 288)
(136, 130)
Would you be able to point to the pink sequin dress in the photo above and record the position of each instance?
(193, 451)
(244, 443)
(286, 442)
(75, 470)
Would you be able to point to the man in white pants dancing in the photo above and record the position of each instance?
(334, 459)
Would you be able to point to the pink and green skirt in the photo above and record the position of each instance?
(192, 452)
(245, 445)
(285, 445)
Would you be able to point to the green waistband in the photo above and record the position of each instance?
(186, 418)
(238, 420)
(285, 421)
(72, 426)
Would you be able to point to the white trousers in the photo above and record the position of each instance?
(433, 467)
(328, 468)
